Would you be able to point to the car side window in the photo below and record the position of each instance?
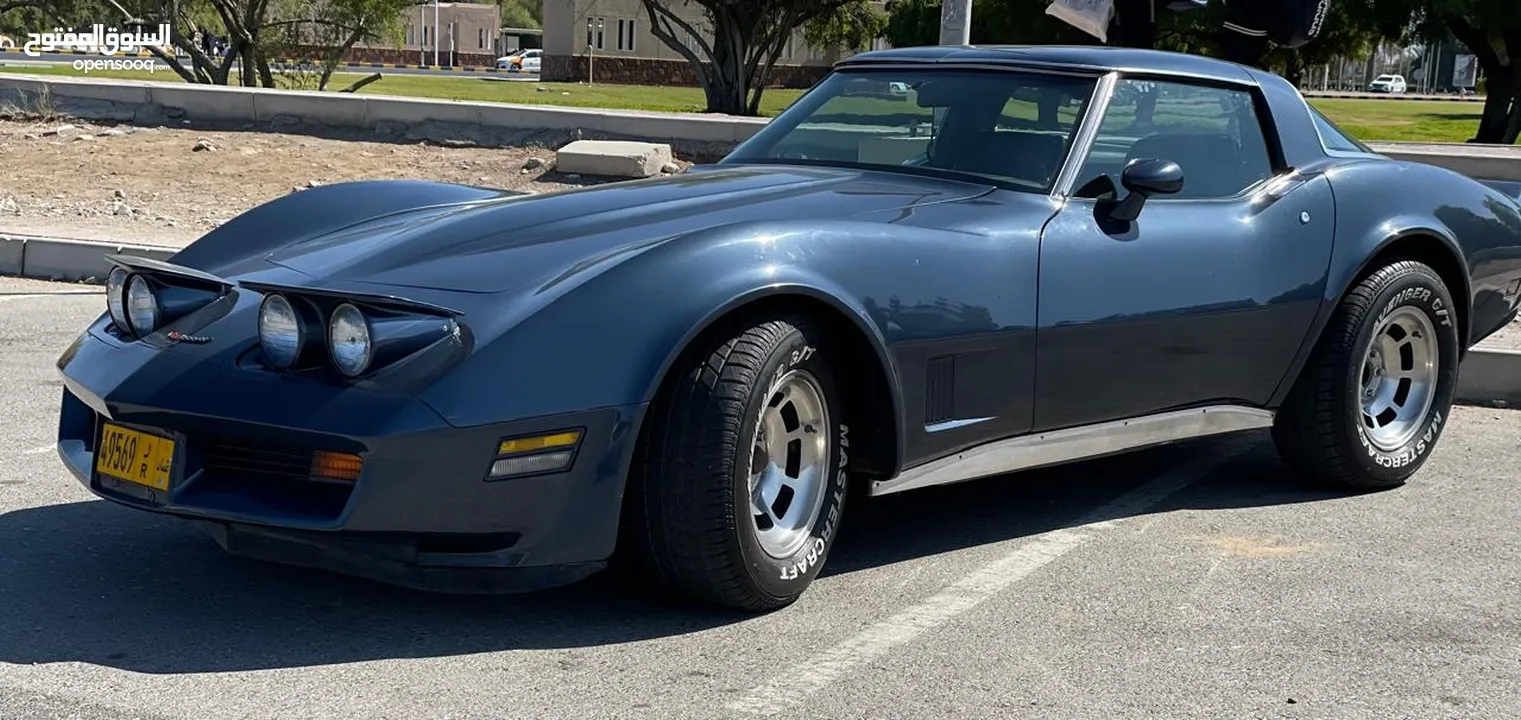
(1213, 133)
(1333, 137)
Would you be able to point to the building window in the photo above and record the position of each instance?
(626, 35)
(410, 29)
(480, 37)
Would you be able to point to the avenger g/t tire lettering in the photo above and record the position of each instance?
(1375, 396)
(739, 483)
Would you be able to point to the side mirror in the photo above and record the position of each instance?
(1145, 178)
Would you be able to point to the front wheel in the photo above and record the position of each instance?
(740, 482)
(1375, 396)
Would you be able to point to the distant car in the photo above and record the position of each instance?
(1387, 84)
(520, 61)
(1046, 254)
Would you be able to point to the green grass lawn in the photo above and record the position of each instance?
(1369, 120)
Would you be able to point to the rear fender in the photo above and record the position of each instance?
(1472, 227)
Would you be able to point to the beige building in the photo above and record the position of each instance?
(613, 38)
(463, 33)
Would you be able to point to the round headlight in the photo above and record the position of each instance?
(348, 338)
(281, 331)
(142, 306)
(116, 302)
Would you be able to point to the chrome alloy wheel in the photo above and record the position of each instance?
(789, 464)
(1399, 378)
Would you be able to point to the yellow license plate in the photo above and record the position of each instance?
(136, 457)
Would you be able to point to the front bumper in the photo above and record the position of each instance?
(422, 512)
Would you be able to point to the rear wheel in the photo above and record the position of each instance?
(739, 483)
(1375, 396)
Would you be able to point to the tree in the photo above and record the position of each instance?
(1491, 30)
(852, 26)
(522, 13)
(734, 61)
(332, 28)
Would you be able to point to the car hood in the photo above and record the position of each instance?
(500, 244)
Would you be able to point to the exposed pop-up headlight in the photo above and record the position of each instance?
(282, 332)
(116, 301)
(145, 296)
(348, 339)
(142, 305)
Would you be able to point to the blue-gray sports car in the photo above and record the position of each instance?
(940, 264)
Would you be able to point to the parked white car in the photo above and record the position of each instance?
(1387, 84)
(521, 61)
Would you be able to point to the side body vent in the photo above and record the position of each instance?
(940, 389)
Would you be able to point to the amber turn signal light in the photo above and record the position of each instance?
(339, 467)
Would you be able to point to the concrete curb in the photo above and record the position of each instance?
(1490, 378)
(67, 260)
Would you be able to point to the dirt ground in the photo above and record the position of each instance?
(74, 178)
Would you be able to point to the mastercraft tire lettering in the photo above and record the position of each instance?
(740, 481)
(1374, 399)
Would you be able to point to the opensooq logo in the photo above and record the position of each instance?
(106, 41)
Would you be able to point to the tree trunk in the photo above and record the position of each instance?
(246, 69)
(335, 55)
(1502, 76)
(266, 77)
(1293, 70)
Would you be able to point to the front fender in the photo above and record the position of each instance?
(310, 213)
(610, 339)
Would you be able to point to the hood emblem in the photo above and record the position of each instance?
(177, 336)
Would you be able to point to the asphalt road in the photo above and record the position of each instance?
(21, 59)
(1199, 580)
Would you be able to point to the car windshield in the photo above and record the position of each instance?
(1013, 128)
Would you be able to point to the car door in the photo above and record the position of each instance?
(1208, 294)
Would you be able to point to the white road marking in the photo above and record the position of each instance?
(799, 682)
(39, 450)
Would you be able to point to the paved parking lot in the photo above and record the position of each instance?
(1199, 580)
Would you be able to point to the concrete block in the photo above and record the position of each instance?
(1490, 377)
(613, 158)
(12, 251)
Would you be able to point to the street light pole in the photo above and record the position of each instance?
(956, 22)
(435, 33)
(591, 51)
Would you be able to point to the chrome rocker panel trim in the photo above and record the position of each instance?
(1080, 443)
